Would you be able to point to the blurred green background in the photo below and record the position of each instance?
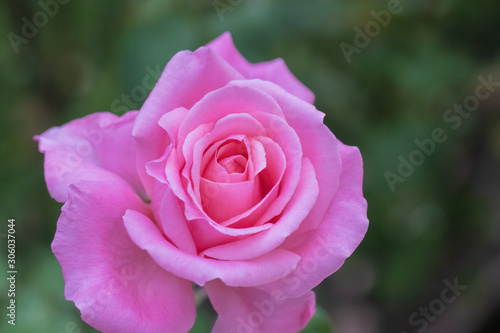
(441, 223)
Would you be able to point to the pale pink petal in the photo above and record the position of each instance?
(212, 108)
(275, 71)
(230, 160)
(288, 143)
(171, 122)
(116, 286)
(187, 77)
(225, 101)
(212, 193)
(292, 216)
(258, 161)
(324, 250)
(97, 147)
(231, 127)
(207, 233)
(222, 201)
(156, 168)
(210, 233)
(258, 271)
(253, 310)
(185, 151)
(287, 140)
(318, 144)
(173, 223)
(170, 165)
(212, 166)
(271, 178)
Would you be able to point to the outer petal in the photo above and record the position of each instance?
(275, 71)
(252, 310)
(324, 250)
(116, 286)
(186, 79)
(262, 270)
(97, 147)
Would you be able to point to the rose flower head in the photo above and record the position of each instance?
(226, 178)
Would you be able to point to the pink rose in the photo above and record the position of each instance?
(227, 177)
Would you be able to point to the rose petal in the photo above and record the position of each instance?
(116, 285)
(226, 101)
(271, 178)
(234, 126)
(229, 159)
(96, 147)
(252, 310)
(318, 144)
(208, 233)
(187, 77)
(222, 201)
(274, 126)
(262, 270)
(324, 250)
(173, 223)
(223, 102)
(171, 121)
(211, 234)
(210, 166)
(288, 142)
(244, 126)
(275, 71)
(156, 168)
(205, 231)
(294, 213)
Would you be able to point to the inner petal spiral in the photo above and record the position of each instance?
(233, 156)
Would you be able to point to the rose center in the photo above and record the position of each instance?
(232, 156)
